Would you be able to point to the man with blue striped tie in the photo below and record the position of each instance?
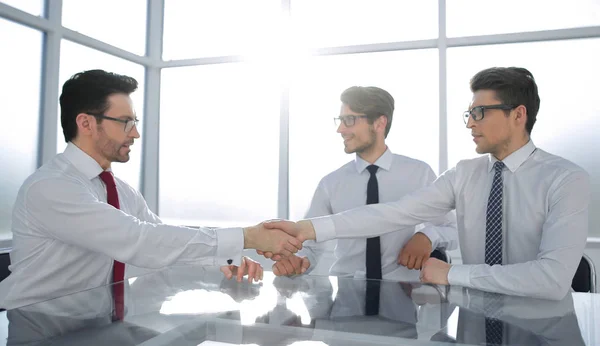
(522, 212)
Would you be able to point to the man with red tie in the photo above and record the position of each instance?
(77, 226)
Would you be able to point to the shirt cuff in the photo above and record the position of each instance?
(433, 236)
(460, 275)
(324, 228)
(230, 244)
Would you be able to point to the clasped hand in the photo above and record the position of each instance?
(274, 239)
(288, 264)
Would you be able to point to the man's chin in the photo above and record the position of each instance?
(121, 158)
(123, 154)
(481, 150)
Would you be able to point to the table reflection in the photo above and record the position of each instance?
(196, 306)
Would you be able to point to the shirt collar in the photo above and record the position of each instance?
(82, 161)
(384, 162)
(516, 159)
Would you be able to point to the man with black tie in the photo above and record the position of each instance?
(522, 212)
(374, 175)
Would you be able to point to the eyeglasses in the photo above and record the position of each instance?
(348, 120)
(477, 113)
(129, 123)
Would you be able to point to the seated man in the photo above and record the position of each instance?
(522, 212)
(75, 226)
(375, 175)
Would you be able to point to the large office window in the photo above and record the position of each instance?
(20, 100)
(235, 73)
(219, 144)
(35, 7)
(476, 17)
(317, 149)
(77, 58)
(202, 28)
(119, 23)
(331, 23)
(569, 116)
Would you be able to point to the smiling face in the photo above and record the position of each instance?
(360, 137)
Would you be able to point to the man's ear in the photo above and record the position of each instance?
(521, 115)
(85, 123)
(381, 123)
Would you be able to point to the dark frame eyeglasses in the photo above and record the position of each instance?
(348, 120)
(477, 113)
(129, 123)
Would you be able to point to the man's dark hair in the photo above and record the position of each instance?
(88, 92)
(513, 86)
(371, 101)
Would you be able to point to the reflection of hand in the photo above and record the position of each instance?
(271, 240)
(426, 294)
(240, 291)
(435, 272)
(288, 286)
(292, 265)
(248, 266)
(415, 252)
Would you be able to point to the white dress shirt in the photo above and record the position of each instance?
(65, 234)
(346, 188)
(545, 221)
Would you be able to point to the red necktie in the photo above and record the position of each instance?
(118, 267)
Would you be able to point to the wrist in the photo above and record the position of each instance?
(431, 235)
(426, 237)
(249, 233)
(448, 274)
(307, 230)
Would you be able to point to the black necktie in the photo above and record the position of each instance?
(373, 255)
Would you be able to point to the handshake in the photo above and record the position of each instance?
(275, 239)
(278, 239)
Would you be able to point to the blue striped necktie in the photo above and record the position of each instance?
(493, 228)
(493, 251)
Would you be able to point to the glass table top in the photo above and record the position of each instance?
(198, 306)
